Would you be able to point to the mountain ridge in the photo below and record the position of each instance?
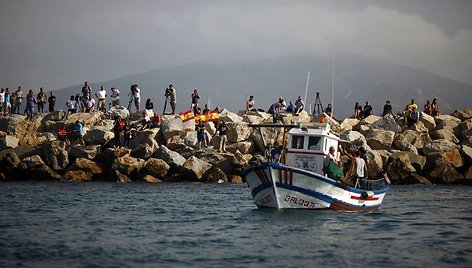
(357, 79)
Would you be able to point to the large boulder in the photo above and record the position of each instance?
(441, 172)
(120, 111)
(55, 156)
(466, 152)
(403, 141)
(245, 147)
(193, 169)
(33, 167)
(400, 169)
(215, 174)
(428, 121)
(77, 176)
(173, 159)
(86, 166)
(379, 139)
(374, 163)
(8, 142)
(151, 179)
(108, 156)
(368, 121)
(355, 141)
(348, 124)
(238, 132)
(128, 165)
(237, 160)
(9, 122)
(387, 123)
(419, 127)
(175, 126)
(230, 117)
(446, 122)
(464, 129)
(444, 134)
(266, 136)
(463, 114)
(147, 136)
(417, 161)
(143, 151)
(155, 167)
(438, 146)
(98, 136)
(88, 119)
(452, 158)
(79, 151)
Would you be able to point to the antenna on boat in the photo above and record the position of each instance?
(209, 104)
(306, 88)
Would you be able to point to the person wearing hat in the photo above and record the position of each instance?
(283, 104)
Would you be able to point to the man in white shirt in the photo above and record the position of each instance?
(137, 97)
(89, 105)
(115, 97)
(331, 156)
(101, 95)
(2, 100)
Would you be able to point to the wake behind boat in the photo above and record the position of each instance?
(301, 182)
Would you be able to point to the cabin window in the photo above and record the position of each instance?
(297, 142)
(314, 143)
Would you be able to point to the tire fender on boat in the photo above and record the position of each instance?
(367, 194)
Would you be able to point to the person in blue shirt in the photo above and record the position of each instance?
(78, 133)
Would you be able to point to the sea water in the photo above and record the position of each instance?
(51, 224)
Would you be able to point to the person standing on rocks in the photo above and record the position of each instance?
(30, 102)
(18, 100)
(118, 127)
(101, 96)
(200, 128)
(71, 106)
(86, 93)
(128, 134)
(115, 97)
(42, 98)
(78, 133)
(195, 98)
(170, 93)
(2, 100)
(222, 129)
(435, 108)
(52, 102)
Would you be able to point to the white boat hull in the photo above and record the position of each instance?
(274, 185)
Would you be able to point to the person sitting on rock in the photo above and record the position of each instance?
(144, 123)
(329, 110)
(368, 110)
(299, 105)
(250, 105)
(387, 109)
(201, 139)
(414, 117)
(290, 108)
(427, 108)
(155, 121)
(71, 106)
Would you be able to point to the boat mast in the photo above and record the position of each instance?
(332, 86)
(306, 88)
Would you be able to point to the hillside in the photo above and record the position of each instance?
(357, 79)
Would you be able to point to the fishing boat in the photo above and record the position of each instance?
(297, 179)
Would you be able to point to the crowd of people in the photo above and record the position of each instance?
(10, 101)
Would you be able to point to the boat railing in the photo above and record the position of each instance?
(371, 185)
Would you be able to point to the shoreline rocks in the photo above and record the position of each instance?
(436, 150)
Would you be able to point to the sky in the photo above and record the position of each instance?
(60, 43)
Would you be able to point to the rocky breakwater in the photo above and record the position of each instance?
(31, 149)
(435, 150)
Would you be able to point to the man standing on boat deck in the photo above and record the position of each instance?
(360, 168)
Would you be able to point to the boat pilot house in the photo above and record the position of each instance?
(308, 147)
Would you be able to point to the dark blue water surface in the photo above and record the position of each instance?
(49, 224)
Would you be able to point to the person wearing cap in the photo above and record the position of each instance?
(283, 104)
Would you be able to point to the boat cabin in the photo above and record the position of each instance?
(309, 146)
